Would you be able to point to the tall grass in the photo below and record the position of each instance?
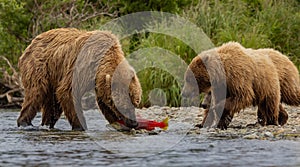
(255, 24)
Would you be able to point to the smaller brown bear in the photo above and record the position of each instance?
(60, 65)
(288, 78)
(236, 80)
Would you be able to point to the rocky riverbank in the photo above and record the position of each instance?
(242, 126)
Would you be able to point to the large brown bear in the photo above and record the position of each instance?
(60, 65)
(248, 80)
(288, 78)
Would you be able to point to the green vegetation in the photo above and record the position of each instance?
(253, 23)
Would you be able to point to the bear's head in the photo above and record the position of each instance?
(196, 79)
(121, 94)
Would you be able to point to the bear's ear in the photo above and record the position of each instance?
(204, 58)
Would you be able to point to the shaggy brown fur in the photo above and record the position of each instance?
(250, 80)
(288, 79)
(288, 76)
(47, 69)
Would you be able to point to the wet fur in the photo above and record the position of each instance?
(46, 68)
(251, 81)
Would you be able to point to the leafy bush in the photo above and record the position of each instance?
(14, 20)
(21, 21)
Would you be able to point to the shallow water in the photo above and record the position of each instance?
(103, 146)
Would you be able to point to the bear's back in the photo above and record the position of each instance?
(46, 44)
(247, 72)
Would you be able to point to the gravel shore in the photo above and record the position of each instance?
(242, 126)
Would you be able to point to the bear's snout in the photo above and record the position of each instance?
(131, 123)
(129, 118)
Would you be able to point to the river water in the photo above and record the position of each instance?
(103, 146)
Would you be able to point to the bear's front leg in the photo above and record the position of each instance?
(221, 112)
(208, 119)
(225, 110)
(75, 117)
(109, 115)
(225, 119)
(30, 106)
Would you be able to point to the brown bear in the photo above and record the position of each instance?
(288, 79)
(54, 79)
(236, 80)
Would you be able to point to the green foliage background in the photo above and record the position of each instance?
(253, 23)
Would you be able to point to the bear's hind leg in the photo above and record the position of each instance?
(283, 115)
(31, 105)
(51, 111)
(268, 111)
